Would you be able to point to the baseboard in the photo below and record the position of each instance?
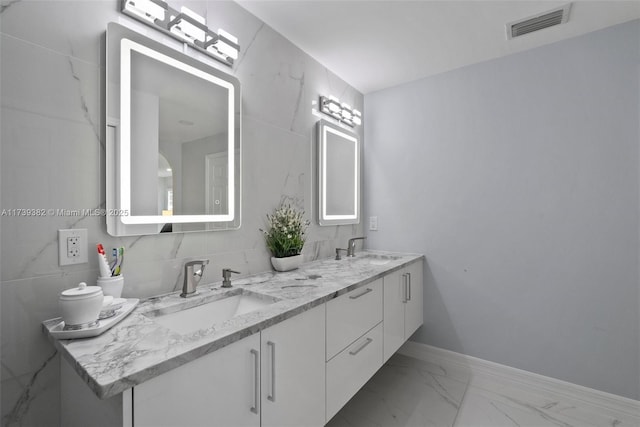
(479, 367)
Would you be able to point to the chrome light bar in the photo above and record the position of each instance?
(343, 112)
(186, 26)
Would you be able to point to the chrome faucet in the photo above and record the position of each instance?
(226, 277)
(192, 274)
(351, 247)
(338, 257)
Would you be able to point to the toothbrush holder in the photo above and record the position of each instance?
(111, 285)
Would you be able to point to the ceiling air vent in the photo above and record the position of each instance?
(538, 22)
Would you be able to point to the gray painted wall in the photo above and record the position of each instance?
(518, 179)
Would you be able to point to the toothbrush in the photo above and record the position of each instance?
(120, 261)
(114, 264)
(102, 261)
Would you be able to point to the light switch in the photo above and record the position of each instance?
(373, 223)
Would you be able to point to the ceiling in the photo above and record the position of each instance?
(374, 45)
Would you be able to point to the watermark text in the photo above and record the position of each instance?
(62, 212)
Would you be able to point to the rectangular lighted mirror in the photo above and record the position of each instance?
(173, 140)
(338, 175)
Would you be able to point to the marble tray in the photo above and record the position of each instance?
(56, 326)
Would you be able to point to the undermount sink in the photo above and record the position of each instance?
(185, 318)
(375, 259)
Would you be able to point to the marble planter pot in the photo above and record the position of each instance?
(286, 264)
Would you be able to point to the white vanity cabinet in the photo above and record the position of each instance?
(298, 372)
(414, 307)
(272, 378)
(80, 407)
(348, 371)
(403, 306)
(354, 343)
(351, 315)
(293, 374)
(220, 388)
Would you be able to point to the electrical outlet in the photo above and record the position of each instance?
(373, 223)
(72, 246)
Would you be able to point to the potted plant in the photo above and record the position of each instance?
(285, 237)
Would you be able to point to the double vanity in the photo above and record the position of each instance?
(274, 349)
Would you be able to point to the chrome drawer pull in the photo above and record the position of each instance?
(364, 293)
(405, 292)
(409, 280)
(354, 352)
(256, 383)
(272, 397)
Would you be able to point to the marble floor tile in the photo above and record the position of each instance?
(485, 408)
(409, 392)
(404, 392)
(455, 372)
(558, 408)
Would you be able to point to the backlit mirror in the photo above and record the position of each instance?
(338, 175)
(173, 140)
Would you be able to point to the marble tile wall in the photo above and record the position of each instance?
(52, 156)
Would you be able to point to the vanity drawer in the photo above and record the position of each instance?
(352, 368)
(351, 315)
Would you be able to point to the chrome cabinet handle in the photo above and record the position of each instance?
(354, 352)
(364, 293)
(256, 382)
(404, 288)
(409, 286)
(272, 396)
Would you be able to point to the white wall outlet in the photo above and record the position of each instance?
(373, 223)
(72, 246)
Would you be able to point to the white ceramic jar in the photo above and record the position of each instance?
(81, 306)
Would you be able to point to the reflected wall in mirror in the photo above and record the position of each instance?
(173, 140)
(338, 175)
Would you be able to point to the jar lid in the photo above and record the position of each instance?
(81, 292)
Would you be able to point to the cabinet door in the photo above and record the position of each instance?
(414, 312)
(393, 325)
(293, 371)
(221, 388)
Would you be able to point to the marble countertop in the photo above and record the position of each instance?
(138, 349)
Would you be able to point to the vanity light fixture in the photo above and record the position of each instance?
(226, 44)
(186, 26)
(343, 112)
(149, 10)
